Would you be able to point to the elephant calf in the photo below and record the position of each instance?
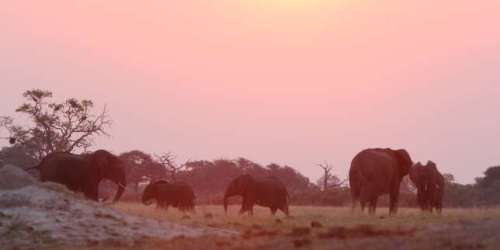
(267, 192)
(430, 186)
(177, 194)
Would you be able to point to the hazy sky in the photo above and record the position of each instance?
(294, 82)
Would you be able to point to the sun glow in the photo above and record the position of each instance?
(286, 5)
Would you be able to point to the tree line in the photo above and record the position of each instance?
(71, 126)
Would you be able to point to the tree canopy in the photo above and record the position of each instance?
(67, 126)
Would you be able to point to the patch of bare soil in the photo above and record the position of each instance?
(363, 231)
(34, 215)
(475, 235)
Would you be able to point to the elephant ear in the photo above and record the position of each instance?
(432, 165)
(246, 178)
(433, 168)
(414, 173)
(404, 161)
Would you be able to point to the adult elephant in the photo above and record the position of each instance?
(82, 173)
(176, 194)
(430, 186)
(375, 172)
(267, 192)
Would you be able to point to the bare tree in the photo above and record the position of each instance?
(66, 126)
(328, 180)
(327, 168)
(168, 161)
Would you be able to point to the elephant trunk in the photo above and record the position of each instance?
(225, 202)
(229, 192)
(122, 183)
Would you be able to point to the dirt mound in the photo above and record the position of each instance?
(12, 177)
(44, 214)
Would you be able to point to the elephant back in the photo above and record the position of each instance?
(270, 191)
(56, 165)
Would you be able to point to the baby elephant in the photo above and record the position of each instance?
(430, 186)
(177, 194)
(267, 192)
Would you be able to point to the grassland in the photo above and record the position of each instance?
(328, 228)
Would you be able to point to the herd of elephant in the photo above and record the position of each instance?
(373, 172)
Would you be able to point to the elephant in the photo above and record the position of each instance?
(267, 192)
(176, 194)
(430, 186)
(375, 172)
(82, 173)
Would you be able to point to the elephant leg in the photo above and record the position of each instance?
(244, 206)
(394, 198)
(165, 206)
(355, 199)
(354, 204)
(248, 203)
(92, 191)
(373, 205)
(428, 205)
(284, 208)
(420, 201)
(273, 210)
(439, 208)
(250, 210)
(365, 197)
(363, 205)
(242, 210)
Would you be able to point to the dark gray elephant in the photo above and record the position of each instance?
(430, 186)
(82, 173)
(267, 192)
(375, 172)
(177, 194)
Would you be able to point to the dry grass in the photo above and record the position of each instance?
(334, 227)
(304, 215)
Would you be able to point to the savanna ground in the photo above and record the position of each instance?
(327, 228)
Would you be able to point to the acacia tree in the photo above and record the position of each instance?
(64, 126)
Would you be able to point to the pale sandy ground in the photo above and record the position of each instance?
(34, 215)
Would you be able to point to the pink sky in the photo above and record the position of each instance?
(293, 82)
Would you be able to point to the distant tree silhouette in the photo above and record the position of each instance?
(328, 180)
(488, 187)
(141, 167)
(209, 179)
(326, 175)
(448, 178)
(56, 126)
(293, 180)
(167, 160)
